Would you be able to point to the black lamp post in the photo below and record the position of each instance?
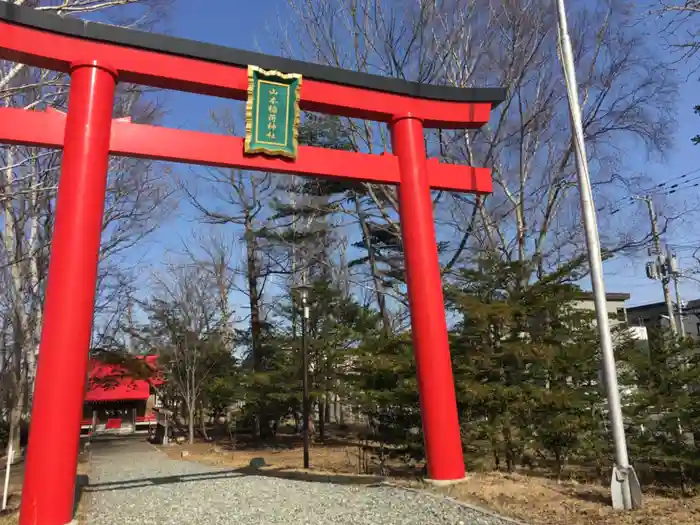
(303, 291)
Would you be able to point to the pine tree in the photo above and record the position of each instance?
(662, 381)
(385, 389)
(526, 363)
(336, 326)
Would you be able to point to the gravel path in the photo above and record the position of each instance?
(130, 482)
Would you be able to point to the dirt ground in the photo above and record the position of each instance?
(531, 499)
(10, 516)
(541, 501)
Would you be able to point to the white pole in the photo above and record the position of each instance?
(10, 453)
(622, 473)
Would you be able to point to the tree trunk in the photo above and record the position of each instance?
(15, 430)
(190, 417)
(559, 463)
(496, 457)
(18, 398)
(262, 426)
(202, 421)
(253, 295)
(321, 419)
(12, 236)
(326, 413)
(374, 271)
(508, 442)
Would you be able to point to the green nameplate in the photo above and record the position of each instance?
(272, 113)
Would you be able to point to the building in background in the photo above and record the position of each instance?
(615, 303)
(117, 403)
(654, 316)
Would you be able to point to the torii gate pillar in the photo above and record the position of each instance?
(441, 435)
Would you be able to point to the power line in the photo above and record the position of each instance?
(686, 246)
(631, 201)
(660, 189)
(669, 190)
(679, 185)
(662, 185)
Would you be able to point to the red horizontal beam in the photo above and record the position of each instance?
(45, 129)
(53, 51)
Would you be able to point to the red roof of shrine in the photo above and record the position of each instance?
(109, 382)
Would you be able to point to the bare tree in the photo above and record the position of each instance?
(379, 38)
(238, 201)
(28, 183)
(187, 328)
(532, 215)
(214, 251)
(682, 24)
(627, 103)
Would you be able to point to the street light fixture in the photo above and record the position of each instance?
(304, 290)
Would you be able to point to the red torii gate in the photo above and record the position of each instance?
(98, 56)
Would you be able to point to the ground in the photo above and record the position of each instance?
(10, 515)
(535, 500)
(132, 481)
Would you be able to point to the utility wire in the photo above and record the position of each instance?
(686, 245)
(665, 184)
(660, 190)
(666, 190)
(673, 188)
(631, 201)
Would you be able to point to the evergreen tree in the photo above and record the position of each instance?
(662, 404)
(301, 236)
(385, 388)
(526, 363)
(336, 326)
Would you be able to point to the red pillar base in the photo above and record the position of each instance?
(441, 431)
(444, 482)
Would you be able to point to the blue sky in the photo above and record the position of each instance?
(628, 275)
(237, 24)
(250, 25)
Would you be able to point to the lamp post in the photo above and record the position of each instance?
(303, 290)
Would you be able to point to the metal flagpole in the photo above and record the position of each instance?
(624, 485)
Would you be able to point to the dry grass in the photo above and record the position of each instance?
(9, 518)
(531, 499)
(334, 458)
(83, 504)
(541, 501)
(11, 515)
